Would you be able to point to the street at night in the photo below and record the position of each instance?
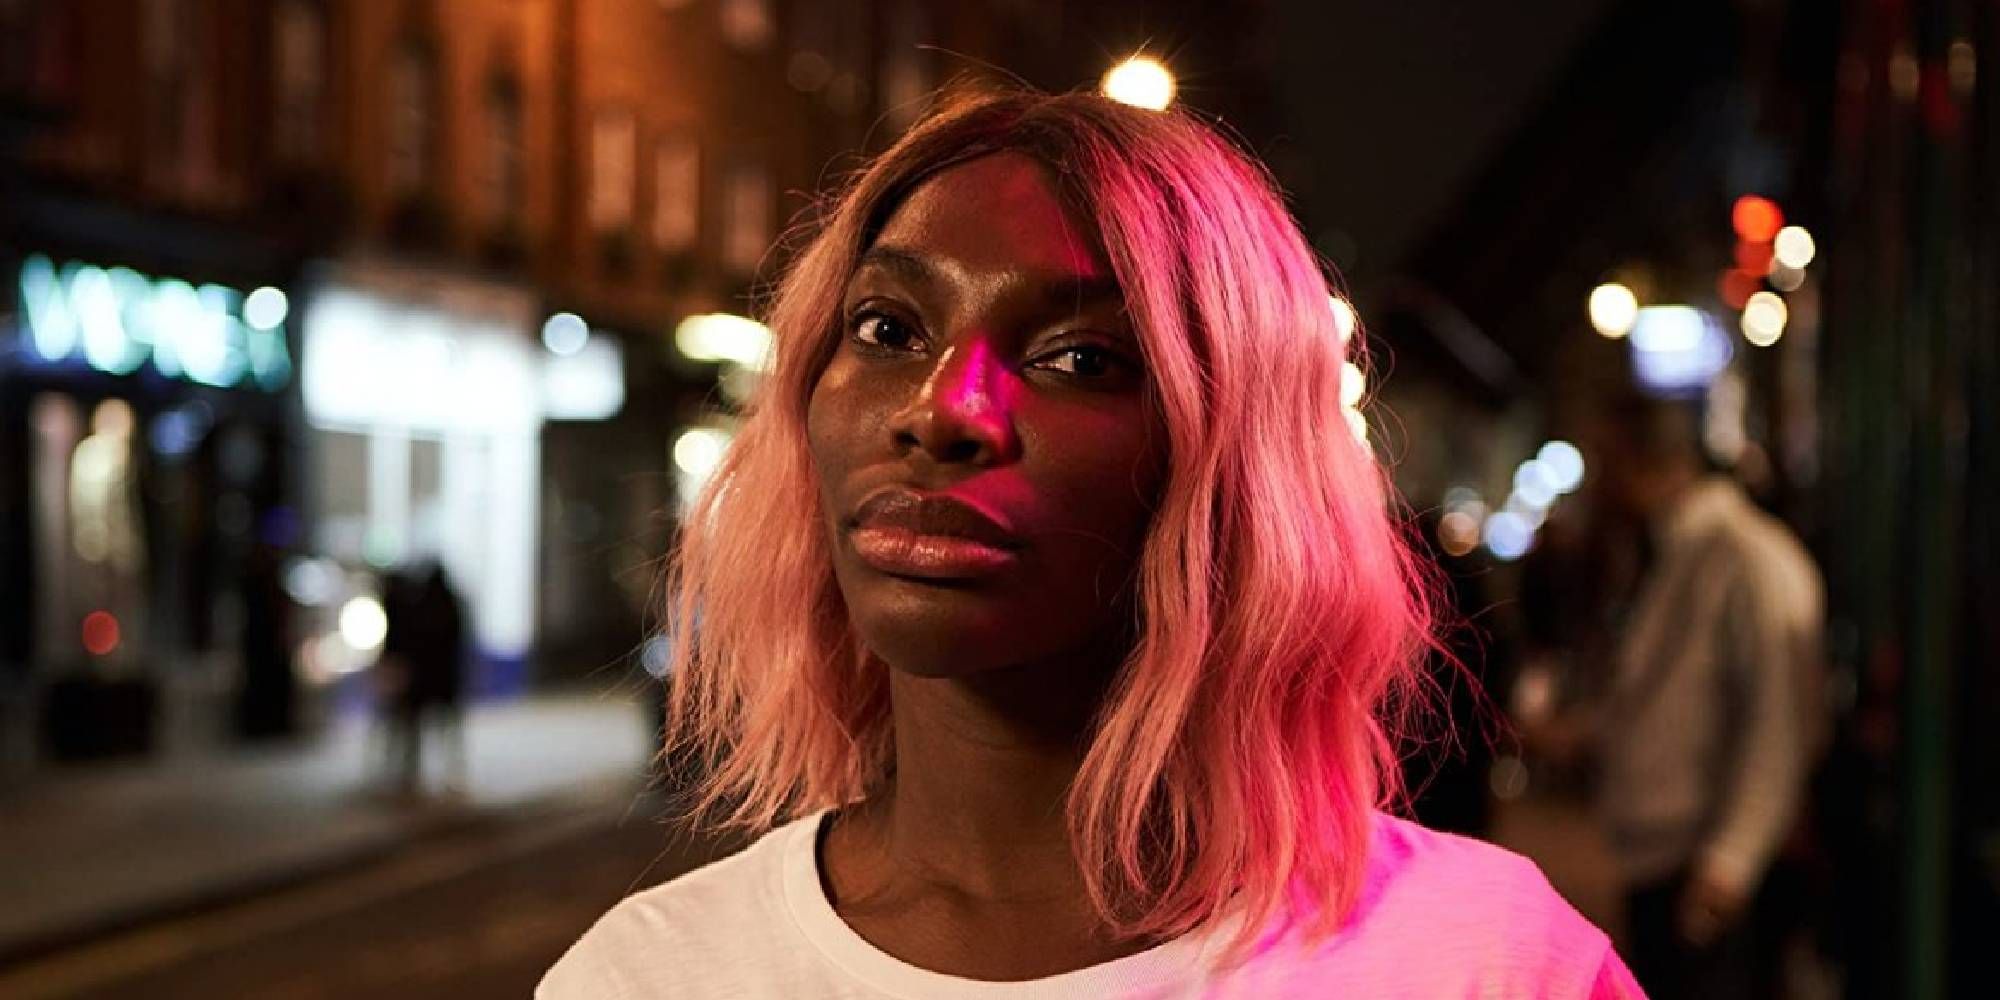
(1153, 475)
(481, 911)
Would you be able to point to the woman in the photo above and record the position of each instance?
(1051, 607)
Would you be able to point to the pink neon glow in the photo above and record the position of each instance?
(1247, 741)
(962, 388)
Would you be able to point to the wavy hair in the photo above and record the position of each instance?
(1246, 741)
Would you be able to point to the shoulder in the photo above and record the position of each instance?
(1488, 889)
(1441, 913)
(647, 944)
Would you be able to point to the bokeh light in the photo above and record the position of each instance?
(724, 337)
(699, 450)
(1142, 82)
(1757, 219)
(1613, 309)
(1564, 464)
(363, 623)
(1344, 319)
(1764, 319)
(1534, 484)
(1736, 286)
(1458, 533)
(1794, 247)
(1353, 384)
(565, 334)
(266, 308)
(100, 633)
(1508, 536)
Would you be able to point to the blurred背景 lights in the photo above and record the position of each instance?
(1736, 286)
(363, 623)
(565, 334)
(723, 337)
(1794, 247)
(100, 633)
(1344, 319)
(1764, 319)
(1508, 535)
(266, 308)
(1458, 533)
(1142, 82)
(1613, 309)
(1353, 385)
(1535, 485)
(697, 452)
(1784, 279)
(1757, 219)
(1564, 464)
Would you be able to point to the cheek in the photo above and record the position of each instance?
(1117, 481)
(830, 423)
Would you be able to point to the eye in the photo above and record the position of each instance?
(1082, 361)
(883, 331)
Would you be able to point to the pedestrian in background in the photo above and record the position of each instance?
(1713, 715)
(423, 658)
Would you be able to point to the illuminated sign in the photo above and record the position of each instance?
(118, 320)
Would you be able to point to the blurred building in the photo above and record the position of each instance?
(303, 290)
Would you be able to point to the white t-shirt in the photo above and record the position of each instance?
(1441, 916)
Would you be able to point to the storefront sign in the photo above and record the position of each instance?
(118, 320)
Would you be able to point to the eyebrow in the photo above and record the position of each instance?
(1070, 291)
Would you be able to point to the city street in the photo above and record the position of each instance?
(479, 912)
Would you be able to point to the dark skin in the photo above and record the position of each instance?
(986, 354)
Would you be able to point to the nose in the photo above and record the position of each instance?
(962, 413)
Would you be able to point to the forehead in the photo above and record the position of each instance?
(1000, 212)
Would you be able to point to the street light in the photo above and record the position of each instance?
(1142, 82)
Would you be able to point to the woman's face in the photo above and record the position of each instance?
(986, 454)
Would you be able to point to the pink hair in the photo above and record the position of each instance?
(1246, 744)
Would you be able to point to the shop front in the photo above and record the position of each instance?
(426, 393)
(144, 445)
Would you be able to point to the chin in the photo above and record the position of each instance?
(934, 631)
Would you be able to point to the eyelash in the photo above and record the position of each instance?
(1110, 359)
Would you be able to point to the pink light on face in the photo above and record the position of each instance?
(965, 389)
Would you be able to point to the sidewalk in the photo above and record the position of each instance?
(92, 849)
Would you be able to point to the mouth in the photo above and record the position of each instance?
(930, 536)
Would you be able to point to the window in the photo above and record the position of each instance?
(746, 215)
(504, 184)
(676, 193)
(299, 70)
(614, 137)
(412, 113)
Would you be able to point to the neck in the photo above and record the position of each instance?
(983, 770)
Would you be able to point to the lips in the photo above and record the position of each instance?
(906, 532)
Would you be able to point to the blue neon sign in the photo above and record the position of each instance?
(118, 320)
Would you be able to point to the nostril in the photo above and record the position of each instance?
(962, 450)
